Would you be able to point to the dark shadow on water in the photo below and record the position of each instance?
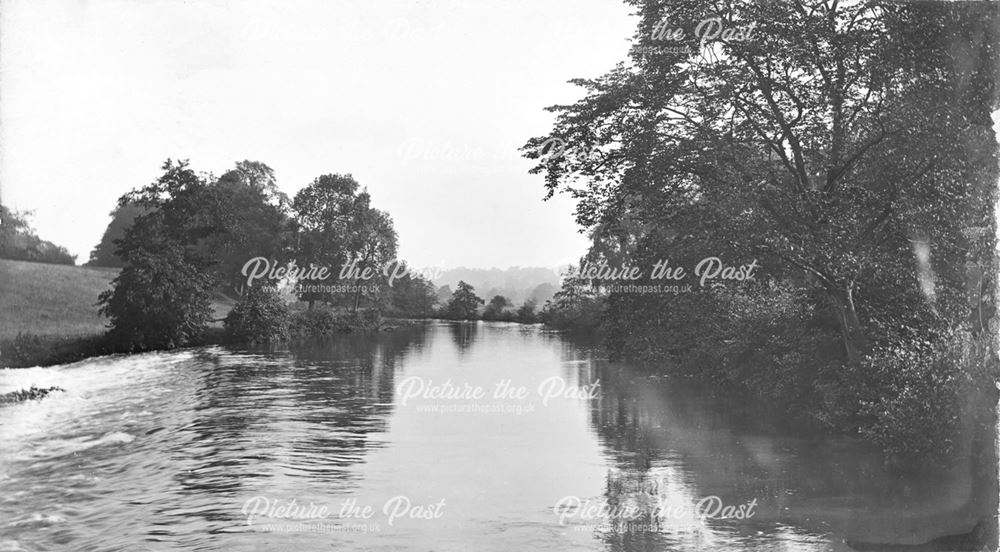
(690, 441)
(463, 334)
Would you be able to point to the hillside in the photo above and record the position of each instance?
(516, 283)
(50, 299)
(58, 300)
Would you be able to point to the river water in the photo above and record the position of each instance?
(436, 437)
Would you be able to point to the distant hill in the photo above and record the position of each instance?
(516, 283)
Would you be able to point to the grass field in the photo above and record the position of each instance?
(50, 300)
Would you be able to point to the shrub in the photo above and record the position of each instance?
(259, 316)
(33, 350)
(323, 322)
(915, 408)
(573, 312)
(526, 313)
(159, 301)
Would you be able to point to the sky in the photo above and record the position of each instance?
(425, 102)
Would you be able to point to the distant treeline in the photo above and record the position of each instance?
(19, 242)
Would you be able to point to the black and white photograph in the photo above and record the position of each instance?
(499, 275)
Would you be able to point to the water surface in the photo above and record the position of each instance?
(383, 438)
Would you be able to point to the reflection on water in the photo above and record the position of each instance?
(500, 441)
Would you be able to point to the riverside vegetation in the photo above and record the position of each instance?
(179, 244)
(846, 146)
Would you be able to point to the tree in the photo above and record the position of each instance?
(464, 304)
(371, 245)
(496, 307)
(103, 253)
(19, 242)
(260, 316)
(818, 145)
(323, 212)
(260, 177)
(252, 222)
(161, 298)
(847, 147)
(526, 313)
(412, 295)
(444, 294)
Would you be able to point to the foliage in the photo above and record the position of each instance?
(250, 221)
(103, 253)
(412, 296)
(260, 316)
(19, 242)
(526, 313)
(322, 322)
(577, 307)
(496, 309)
(847, 147)
(323, 211)
(371, 244)
(161, 298)
(463, 305)
(29, 349)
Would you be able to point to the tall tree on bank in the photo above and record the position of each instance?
(838, 142)
(161, 298)
(192, 237)
(323, 212)
(412, 295)
(253, 222)
(464, 303)
(371, 245)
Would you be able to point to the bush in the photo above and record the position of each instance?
(24, 349)
(324, 322)
(916, 410)
(576, 312)
(258, 317)
(526, 313)
(159, 301)
(32, 350)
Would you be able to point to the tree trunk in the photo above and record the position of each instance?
(851, 331)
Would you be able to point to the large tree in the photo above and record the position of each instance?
(162, 296)
(323, 213)
(839, 143)
(371, 247)
(464, 303)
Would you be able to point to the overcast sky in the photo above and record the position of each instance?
(425, 102)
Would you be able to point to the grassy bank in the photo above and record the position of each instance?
(49, 313)
(51, 300)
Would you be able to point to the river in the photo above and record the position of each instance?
(439, 436)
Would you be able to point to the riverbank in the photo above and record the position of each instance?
(27, 350)
(50, 316)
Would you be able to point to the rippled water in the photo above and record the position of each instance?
(173, 451)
